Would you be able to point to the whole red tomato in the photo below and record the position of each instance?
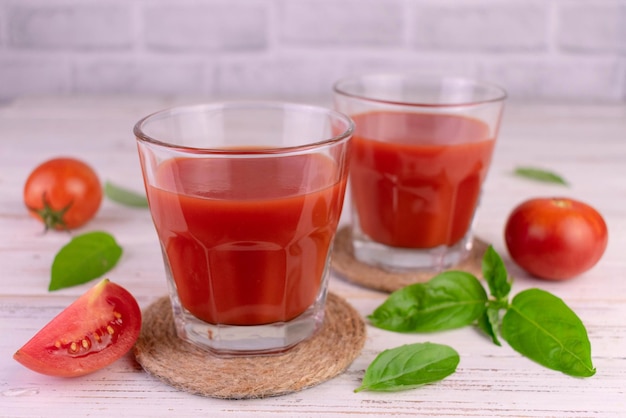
(64, 193)
(94, 331)
(555, 238)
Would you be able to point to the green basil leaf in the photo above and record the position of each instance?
(84, 258)
(494, 272)
(489, 322)
(409, 366)
(543, 328)
(540, 175)
(124, 196)
(449, 300)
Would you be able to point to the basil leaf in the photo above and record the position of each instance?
(540, 175)
(494, 272)
(449, 300)
(84, 258)
(489, 322)
(124, 196)
(543, 328)
(409, 366)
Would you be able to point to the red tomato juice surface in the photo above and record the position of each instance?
(416, 177)
(247, 239)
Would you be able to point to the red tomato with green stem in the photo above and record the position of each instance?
(64, 193)
(555, 238)
(94, 331)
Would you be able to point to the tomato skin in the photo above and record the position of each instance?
(64, 193)
(555, 238)
(97, 329)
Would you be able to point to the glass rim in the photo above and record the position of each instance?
(141, 136)
(500, 94)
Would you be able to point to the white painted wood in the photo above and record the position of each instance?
(586, 144)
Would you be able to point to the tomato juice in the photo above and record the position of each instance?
(247, 238)
(415, 178)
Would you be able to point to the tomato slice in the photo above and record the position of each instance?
(94, 331)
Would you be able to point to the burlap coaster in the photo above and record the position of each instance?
(189, 368)
(344, 263)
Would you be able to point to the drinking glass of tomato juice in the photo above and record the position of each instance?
(245, 198)
(420, 153)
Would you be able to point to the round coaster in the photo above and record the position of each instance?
(189, 368)
(355, 271)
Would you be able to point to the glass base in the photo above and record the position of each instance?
(406, 260)
(236, 340)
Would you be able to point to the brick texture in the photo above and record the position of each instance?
(211, 26)
(148, 76)
(572, 50)
(69, 26)
(481, 26)
(373, 23)
(579, 79)
(32, 76)
(593, 27)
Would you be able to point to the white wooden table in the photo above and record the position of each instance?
(587, 145)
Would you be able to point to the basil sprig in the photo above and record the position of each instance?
(543, 328)
(450, 300)
(84, 258)
(409, 366)
(125, 196)
(497, 278)
(538, 174)
(536, 324)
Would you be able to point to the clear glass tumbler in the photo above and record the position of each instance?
(246, 198)
(421, 150)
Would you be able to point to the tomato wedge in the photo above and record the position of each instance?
(94, 331)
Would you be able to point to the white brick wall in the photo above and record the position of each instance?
(60, 26)
(341, 23)
(294, 49)
(477, 26)
(207, 27)
(597, 29)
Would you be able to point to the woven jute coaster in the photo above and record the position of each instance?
(186, 367)
(353, 270)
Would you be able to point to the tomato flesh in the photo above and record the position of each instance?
(64, 193)
(97, 329)
(555, 238)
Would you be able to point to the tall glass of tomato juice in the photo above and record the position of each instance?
(245, 198)
(421, 149)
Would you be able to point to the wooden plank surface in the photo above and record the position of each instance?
(586, 144)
